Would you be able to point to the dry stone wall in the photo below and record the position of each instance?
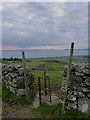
(78, 87)
(13, 78)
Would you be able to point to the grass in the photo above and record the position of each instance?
(33, 64)
(54, 65)
(9, 96)
(0, 90)
(46, 111)
(55, 76)
(54, 111)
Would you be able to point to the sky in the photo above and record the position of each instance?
(44, 25)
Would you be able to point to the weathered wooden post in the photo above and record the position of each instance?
(45, 83)
(68, 76)
(25, 80)
(49, 87)
(39, 85)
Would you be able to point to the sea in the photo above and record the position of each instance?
(41, 53)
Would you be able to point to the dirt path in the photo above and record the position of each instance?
(11, 110)
(15, 111)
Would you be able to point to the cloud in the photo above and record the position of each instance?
(45, 24)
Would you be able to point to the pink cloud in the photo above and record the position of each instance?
(9, 48)
(46, 47)
(31, 48)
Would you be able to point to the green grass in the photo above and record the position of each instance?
(47, 111)
(55, 76)
(54, 65)
(33, 64)
(0, 90)
(54, 111)
(9, 96)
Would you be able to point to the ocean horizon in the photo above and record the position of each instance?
(41, 53)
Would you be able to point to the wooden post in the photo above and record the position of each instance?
(49, 87)
(39, 84)
(68, 76)
(25, 80)
(45, 83)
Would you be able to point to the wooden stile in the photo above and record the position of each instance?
(49, 87)
(45, 83)
(68, 76)
(25, 80)
(39, 85)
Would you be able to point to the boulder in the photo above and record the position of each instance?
(20, 92)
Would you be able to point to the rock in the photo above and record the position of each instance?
(83, 104)
(20, 82)
(88, 95)
(21, 71)
(86, 71)
(71, 105)
(15, 80)
(87, 81)
(12, 84)
(87, 66)
(79, 73)
(80, 94)
(20, 92)
(71, 98)
(7, 77)
(65, 68)
(76, 67)
(13, 75)
(4, 73)
(12, 90)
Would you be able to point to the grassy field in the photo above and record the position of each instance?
(55, 73)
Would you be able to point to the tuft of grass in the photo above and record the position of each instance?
(73, 113)
(47, 111)
(9, 96)
(54, 111)
(0, 90)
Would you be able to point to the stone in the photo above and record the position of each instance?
(20, 82)
(8, 87)
(86, 71)
(75, 80)
(87, 66)
(87, 81)
(88, 95)
(21, 71)
(71, 97)
(20, 92)
(17, 66)
(65, 68)
(79, 73)
(71, 105)
(12, 90)
(15, 80)
(4, 73)
(13, 75)
(76, 67)
(12, 84)
(75, 93)
(7, 77)
(80, 94)
(83, 104)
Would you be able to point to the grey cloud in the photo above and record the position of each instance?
(43, 25)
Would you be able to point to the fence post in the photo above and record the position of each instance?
(25, 80)
(45, 83)
(49, 87)
(68, 76)
(39, 85)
